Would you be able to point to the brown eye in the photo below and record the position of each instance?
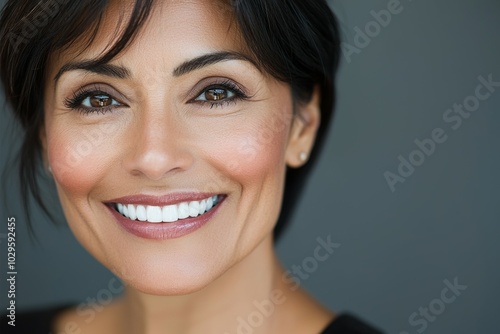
(93, 99)
(216, 94)
(100, 100)
(96, 100)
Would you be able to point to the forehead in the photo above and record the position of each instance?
(174, 30)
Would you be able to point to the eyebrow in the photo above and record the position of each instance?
(121, 72)
(209, 59)
(109, 70)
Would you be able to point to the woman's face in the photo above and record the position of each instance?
(160, 128)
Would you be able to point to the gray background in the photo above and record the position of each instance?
(397, 247)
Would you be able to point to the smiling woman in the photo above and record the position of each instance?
(207, 112)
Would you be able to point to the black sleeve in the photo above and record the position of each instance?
(31, 322)
(349, 324)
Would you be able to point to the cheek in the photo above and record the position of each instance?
(253, 149)
(79, 156)
(252, 157)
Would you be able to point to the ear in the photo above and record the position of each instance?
(305, 126)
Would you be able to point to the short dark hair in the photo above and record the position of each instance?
(295, 41)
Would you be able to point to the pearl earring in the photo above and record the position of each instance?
(303, 156)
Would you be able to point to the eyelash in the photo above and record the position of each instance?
(75, 102)
(226, 85)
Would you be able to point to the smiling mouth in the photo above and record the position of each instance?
(168, 213)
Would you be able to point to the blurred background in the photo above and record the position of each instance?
(407, 185)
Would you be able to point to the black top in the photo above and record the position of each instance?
(40, 322)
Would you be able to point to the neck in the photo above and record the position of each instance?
(221, 307)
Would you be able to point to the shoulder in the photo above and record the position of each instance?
(33, 321)
(349, 324)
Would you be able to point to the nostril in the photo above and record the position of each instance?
(157, 163)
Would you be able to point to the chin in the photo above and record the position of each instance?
(168, 271)
(164, 287)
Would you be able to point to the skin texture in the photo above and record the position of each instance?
(157, 140)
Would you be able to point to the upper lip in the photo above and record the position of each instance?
(163, 200)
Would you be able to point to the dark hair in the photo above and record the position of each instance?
(295, 41)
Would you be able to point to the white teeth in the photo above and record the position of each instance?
(169, 213)
(183, 210)
(210, 203)
(125, 211)
(131, 212)
(140, 211)
(154, 214)
(194, 208)
(203, 206)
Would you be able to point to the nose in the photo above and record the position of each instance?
(157, 146)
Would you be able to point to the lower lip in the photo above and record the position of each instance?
(162, 231)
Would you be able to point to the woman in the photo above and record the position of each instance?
(174, 130)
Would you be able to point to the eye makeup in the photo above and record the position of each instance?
(95, 98)
(100, 98)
